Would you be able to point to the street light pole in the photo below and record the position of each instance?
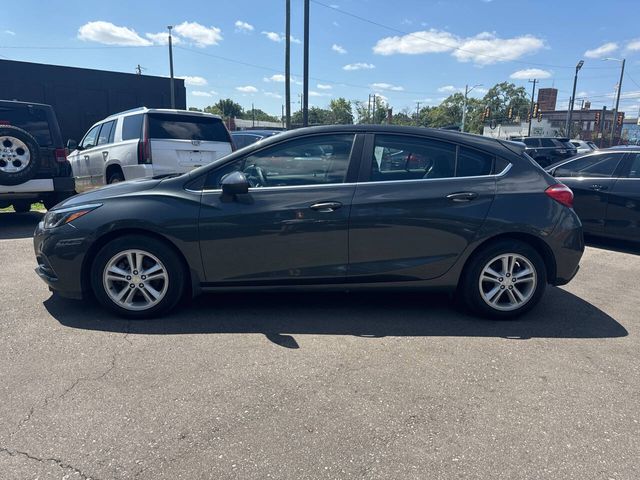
(172, 88)
(464, 104)
(305, 86)
(533, 96)
(287, 64)
(573, 99)
(614, 121)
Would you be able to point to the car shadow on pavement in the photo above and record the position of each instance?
(18, 225)
(364, 314)
(621, 246)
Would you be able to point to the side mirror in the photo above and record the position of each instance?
(72, 145)
(235, 183)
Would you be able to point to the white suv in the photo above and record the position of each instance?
(147, 142)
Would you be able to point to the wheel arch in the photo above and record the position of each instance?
(191, 288)
(112, 168)
(536, 243)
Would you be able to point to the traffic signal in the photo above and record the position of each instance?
(535, 109)
(487, 113)
(510, 113)
(597, 120)
(620, 119)
(539, 116)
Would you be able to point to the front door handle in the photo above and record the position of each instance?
(86, 158)
(325, 207)
(598, 188)
(462, 196)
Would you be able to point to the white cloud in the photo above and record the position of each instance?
(162, 38)
(484, 48)
(202, 36)
(322, 86)
(633, 45)
(247, 89)
(194, 81)
(337, 48)
(198, 93)
(528, 73)
(10, 32)
(272, 95)
(275, 78)
(335, 24)
(243, 26)
(295, 40)
(386, 86)
(313, 93)
(601, 51)
(273, 36)
(448, 89)
(358, 66)
(110, 34)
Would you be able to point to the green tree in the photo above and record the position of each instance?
(213, 109)
(340, 112)
(504, 95)
(317, 116)
(365, 111)
(228, 108)
(195, 109)
(260, 115)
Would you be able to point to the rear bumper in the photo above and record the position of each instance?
(132, 172)
(40, 185)
(567, 243)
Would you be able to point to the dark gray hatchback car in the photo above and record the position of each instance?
(339, 207)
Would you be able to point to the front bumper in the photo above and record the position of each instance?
(60, 253)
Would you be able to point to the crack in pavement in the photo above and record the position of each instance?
(57, 461)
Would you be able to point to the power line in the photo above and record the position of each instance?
(441, 44)
(101, 47)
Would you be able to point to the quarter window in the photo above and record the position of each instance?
(317, 160)
(473, 163)
(596, 166)
(132, 127)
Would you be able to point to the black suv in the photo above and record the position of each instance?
(547, 150)
(33, 158)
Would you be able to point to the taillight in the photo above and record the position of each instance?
(561, 193)
(144, 145)
(61, 155)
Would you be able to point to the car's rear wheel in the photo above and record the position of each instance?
(115, 177)
(137, 277)
(504, 280)
(22, 206)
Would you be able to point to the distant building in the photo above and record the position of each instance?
(631, 131)
(547, 98)
(81, 97)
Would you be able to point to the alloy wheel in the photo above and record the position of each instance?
(507, 282)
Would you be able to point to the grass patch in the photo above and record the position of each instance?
(35, 207)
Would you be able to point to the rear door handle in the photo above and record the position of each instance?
(462, 196)
(86, 157)
(598, 188)
(105, 154)
(325, 207)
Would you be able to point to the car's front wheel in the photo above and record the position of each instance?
(503, 280)
(137, 277)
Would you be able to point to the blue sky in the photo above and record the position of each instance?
(406, 50)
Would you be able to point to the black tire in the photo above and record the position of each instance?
(469, 289)
(52, 200)
(177, 276)
(22, 206)
(8, 136)
(115, 178)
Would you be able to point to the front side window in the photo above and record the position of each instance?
(596, 166)
(89, 140)
(316, 160)
(407, 158)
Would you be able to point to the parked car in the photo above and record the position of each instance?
(33, 160)
(147, 142)
(242, 138)
(606, 184)
(471, 214)
(547, 150)
(582, 146)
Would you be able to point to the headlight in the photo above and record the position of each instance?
(56, 218)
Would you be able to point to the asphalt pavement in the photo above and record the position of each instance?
(320, 385)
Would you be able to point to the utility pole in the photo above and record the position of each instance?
(139, 69)
(602, 123)
(287, 64)
(614, 122)
(173, 93)
(253, 115)
(369, 109)
(533, 96)
(282, 116)
(373, 110)
(464, 104)
(305, 80)
(417, 114)
(573, 99)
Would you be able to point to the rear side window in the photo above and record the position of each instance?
(472, 163)
(187, 127)
(634, 172)
(596, 166)
(531, 142)
(106, 133)
(32, 119)
(548, 143)
(132, 127)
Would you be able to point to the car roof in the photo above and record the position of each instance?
(626, 148)
(172, 111)
(9, 103)
(256, 132)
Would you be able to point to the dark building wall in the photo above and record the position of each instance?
(81, 97)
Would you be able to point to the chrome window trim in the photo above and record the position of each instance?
(350, 184)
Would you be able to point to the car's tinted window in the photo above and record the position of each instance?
(473, 163)
(89, 140)
(106, 131)
(132, 127)
(634, 172)
(187, 127)
(599, 166)
(32, 119)
(244, 140)
(316, 160)
(398, 157)
(548, 143)
(531, 142)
